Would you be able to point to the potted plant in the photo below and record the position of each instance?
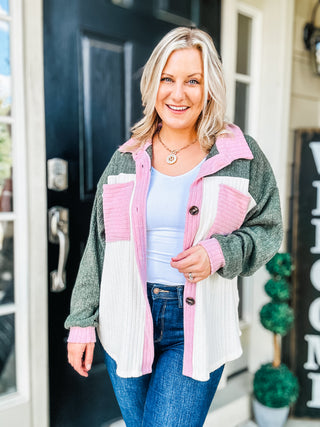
(275, 387)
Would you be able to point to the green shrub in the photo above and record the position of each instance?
(275, 387)
(278, 290)
(277, 317)
(280, 265)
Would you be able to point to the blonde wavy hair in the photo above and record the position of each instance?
(211, 121)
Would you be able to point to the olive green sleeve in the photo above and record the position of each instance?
(84, 307)
(260, 236)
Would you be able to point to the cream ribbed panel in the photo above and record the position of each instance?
(216, 331)
(122, 307)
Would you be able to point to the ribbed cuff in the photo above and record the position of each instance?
(82, 335)
(214, 252)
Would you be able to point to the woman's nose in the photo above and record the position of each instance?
(178, 92)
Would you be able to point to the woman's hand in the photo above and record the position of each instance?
(194, 260)
(80, 357)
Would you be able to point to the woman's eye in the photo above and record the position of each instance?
(193, 82)
(166, 79)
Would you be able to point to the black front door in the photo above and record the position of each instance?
(93, 54)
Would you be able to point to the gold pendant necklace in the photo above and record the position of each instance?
(172, 157)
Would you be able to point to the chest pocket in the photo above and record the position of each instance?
(231, 210)
(116, 210)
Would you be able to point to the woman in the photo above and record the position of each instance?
(182, 209)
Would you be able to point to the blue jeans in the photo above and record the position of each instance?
(164, 397)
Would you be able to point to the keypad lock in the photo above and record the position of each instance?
(57, 174)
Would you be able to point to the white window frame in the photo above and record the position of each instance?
(255, 66)
(19, 216)
(231, 10)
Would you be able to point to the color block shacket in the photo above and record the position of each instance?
(237, 220)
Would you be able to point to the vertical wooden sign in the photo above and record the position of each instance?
(305, 244)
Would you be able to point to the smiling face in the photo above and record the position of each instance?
(180, 94)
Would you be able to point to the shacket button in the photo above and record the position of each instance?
(190, 301)
(194, 210)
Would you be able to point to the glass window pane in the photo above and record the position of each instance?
(123, 3)
(244, 44)
(5, 69)
(5, 168)
(6, 262)
(7, 355)
(240, 114)
(4, 7)
(177, 7)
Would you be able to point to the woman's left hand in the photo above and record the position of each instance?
(194, 263)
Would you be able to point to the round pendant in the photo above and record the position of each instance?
(171, 159)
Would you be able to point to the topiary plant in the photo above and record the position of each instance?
(277, 317)
(277, 289)
(275, 387)
(280, 265)
(274, 384)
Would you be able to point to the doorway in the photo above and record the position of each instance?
(93, 58)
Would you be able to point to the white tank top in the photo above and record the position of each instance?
(166, 213)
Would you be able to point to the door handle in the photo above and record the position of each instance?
(59, 234)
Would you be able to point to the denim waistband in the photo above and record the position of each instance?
(157, 291)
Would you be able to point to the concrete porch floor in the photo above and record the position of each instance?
(232, 407)
(292, 422)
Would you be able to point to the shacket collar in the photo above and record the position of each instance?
(228, 147)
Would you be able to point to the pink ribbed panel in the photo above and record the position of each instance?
(126, 147)
(231, 147)
(231, 210)
(82, 335)
(143, 166)
(116, 202)
(215, 254)
(191, 227)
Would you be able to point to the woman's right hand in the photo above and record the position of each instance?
(80, 357)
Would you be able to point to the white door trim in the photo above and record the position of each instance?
(37, 211)
(30, 405)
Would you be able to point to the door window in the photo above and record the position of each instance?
(13, 219)
(7, 308)
(178, 12)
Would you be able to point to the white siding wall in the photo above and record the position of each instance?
(305, 89)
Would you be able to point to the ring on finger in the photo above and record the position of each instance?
(190, 276)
